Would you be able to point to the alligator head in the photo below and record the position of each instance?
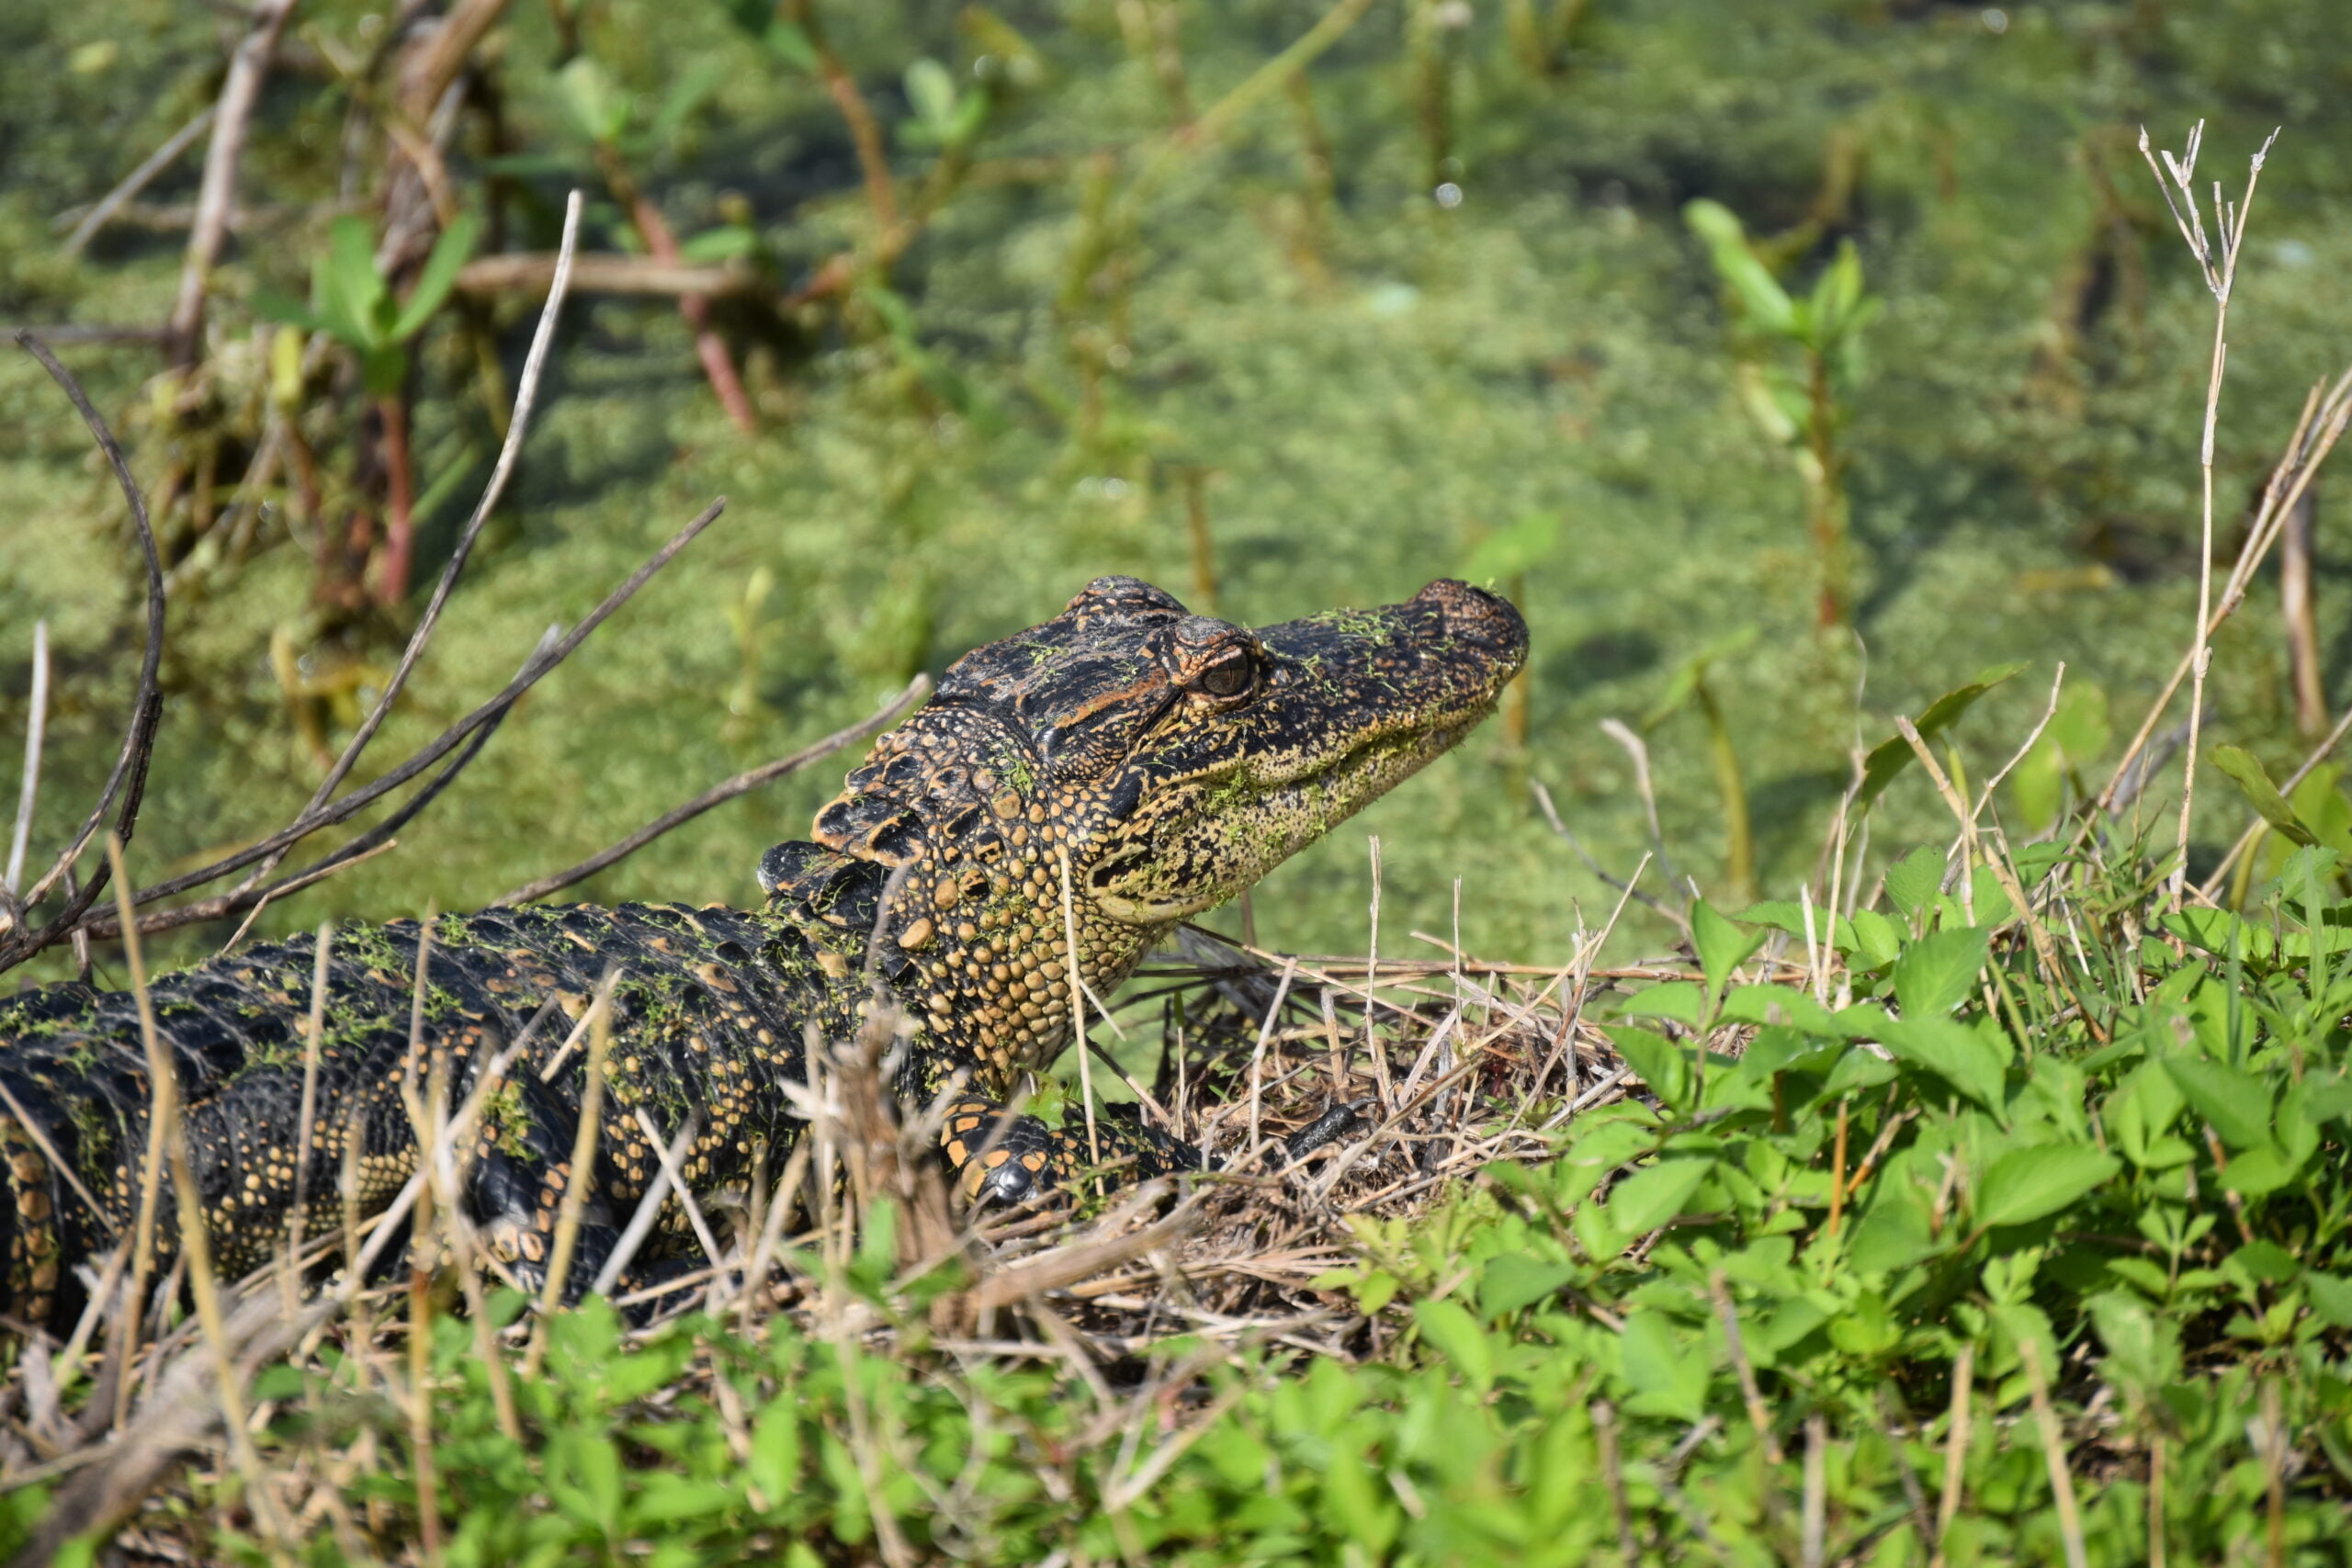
(1082, 784)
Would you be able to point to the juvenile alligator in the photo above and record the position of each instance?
(1122, 766)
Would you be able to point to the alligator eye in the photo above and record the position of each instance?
(1227, 678)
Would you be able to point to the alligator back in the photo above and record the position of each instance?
(710, 1011)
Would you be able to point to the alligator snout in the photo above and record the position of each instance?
(1473, 613)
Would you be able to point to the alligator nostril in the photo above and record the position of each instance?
(1476, 613)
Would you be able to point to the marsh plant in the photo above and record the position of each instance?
(1796, 363)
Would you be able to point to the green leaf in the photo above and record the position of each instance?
(1889, 758)
(1682, 1000)
(2242, 768)
(1936, 973)
(2076, 736)
(450, 253)
(877, 1258)
(2266, 1261)
(1954, 1053)
(971, 112)
(1751, 283)
(2028, 1184)
(1787, 915)
(1913, 881)
(714, 245)
(2331, 1297)
(1649, 1198)
(2139, 1116)
(1893, 1235)
(1714, 222)
(1780, 1005)
(785, 39)
(1876, 938)
(1990, 899)
(343, 285)
(2308, 865)
(1836, 301)
(1778, 1049)
(2237, 1103)
(678, 106)
(2222, 933)
(2143, 1352)
(1722, 946)
(931, 91)
(2319, 806)
(2257, 1172)
(1514, 1281)
(1448, 1328)
(1658, 1062)
(1667, 1375)
(599, 108)
(1358, 1505)
(1866, 1328)
(351, 250)
(665, 1498)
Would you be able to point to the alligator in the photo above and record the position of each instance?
(1072, 790)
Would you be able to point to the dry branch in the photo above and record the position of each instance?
(102, 211)
(129, 777)
(528, 271)
(239, 92)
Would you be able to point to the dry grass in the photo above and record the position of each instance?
(1456, 1057)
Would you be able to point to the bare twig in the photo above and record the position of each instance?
(1815, 1516)
(640, 1223)
(718, 364)
(129, 777)
(607, 274)
(194, 1242)
(239, 92)
(2053, 1452)
(1269, 78)
(1955, 1451)
(2220, 274)
(582, 1180)
(670, 1168)
(2322, 424)
(526, 395)
(866, 133)
(29, 792)
(362, 846)
(155, 163)
(2300, 614)
(449, 739)
(1612, 1473)
(1750, 1393)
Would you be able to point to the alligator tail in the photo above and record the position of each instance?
(32, 1240)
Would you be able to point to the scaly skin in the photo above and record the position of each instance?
(1098, 777)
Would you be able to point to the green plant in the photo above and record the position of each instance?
(1804, 401)
(355, 305)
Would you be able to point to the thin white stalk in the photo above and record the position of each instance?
(31, 791)
(2219, 268)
